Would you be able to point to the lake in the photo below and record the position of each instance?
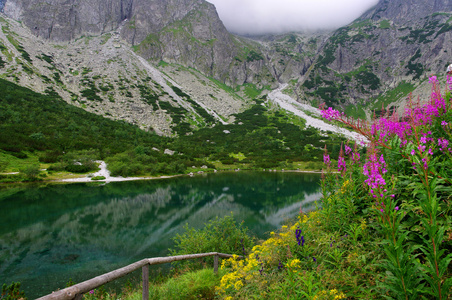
(52, 233)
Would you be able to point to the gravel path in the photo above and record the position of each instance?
(105, 173)
(288, 103)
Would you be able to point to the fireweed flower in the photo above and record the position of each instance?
(355, 158)
(331, 114)
(341, 165)
(374, 168)
(433, 80)
(347, 150)
(443, 144)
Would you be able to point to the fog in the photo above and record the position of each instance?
(254, 17)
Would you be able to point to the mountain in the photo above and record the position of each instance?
(168, 66)
(381, 57)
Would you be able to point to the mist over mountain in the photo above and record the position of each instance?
(259, 17)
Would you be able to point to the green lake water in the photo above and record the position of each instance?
(52, 233)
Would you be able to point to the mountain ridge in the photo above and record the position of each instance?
(374, 61)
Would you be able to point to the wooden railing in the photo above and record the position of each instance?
(77, 291)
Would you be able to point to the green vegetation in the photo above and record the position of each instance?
(222, 235)
(385, 24)
(383, 230)
(402, 90)
(44, 130)
(12, 291)
(356, 111)
(201, 111)
(252, 91)
(417, 69)
(254, 56)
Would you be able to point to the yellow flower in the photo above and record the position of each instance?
(363, 224)
(238, 285)
(294, 263)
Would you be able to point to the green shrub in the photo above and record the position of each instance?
(12, 291)
(31, 172)
(58, 167)
(3, 165)
(50, 156)
(77, 168)
(223, 235)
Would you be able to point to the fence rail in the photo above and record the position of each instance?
(77, 291)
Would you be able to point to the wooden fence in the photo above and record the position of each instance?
(77, 291)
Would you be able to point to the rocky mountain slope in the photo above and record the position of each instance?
(381, 57)
(171, 66)
(103, 75)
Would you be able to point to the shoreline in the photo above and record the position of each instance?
(120, 179)
(103, 171)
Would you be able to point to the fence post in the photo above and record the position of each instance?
(215, 264)
(145, 270)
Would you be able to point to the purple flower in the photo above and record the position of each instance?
(341, 165)
(314, 259)
(433, 80)
(299, 237)
(396, 208)
(382, 210)
(347, 150)
(331, 114)
(374, 168)
(91, 292)
(444, 123)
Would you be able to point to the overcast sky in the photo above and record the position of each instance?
(276, 16)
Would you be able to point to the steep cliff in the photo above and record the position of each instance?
(382, 56)
(187, 32)
(99, 48)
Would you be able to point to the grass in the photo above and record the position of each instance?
(240, 156)
(199, 284)
(14, 164)
(402, 90)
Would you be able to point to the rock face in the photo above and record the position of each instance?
(406, 12)
(188, 32)
(374, 61)
(382, 56)
(61, 20)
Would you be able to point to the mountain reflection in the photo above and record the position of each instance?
(51, 234)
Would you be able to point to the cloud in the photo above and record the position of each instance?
(277, 16)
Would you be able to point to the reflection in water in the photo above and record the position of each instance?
(51, 234)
